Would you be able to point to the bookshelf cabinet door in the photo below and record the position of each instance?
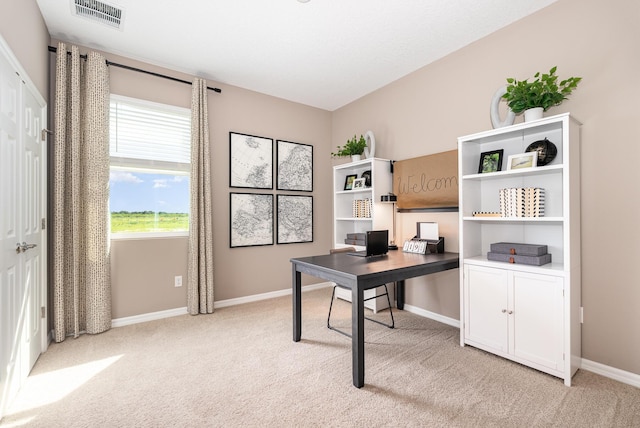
(486, 302)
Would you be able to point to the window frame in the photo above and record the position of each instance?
(148, 166)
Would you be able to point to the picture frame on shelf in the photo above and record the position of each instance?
(348, 182)
(490, 161)
(358, 183)
(522, 160)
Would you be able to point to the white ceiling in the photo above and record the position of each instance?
(324, 53)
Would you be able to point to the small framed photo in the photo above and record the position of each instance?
(358, 183)
(523, 160)
(490, 161)
(348, 182)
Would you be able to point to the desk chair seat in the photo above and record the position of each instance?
(386, 293)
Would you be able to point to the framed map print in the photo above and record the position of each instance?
(250, 161)
(295, 166)
(251, 219)
(295, 219)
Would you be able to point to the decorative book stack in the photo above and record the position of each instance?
(526, 254)
(362, 208)
(356, 239)
(522, 202)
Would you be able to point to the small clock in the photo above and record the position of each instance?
(547, 151)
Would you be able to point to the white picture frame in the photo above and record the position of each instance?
(358, 183)
(522, 160)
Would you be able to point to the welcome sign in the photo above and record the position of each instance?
(427, 182)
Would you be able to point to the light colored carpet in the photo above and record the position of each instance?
(240, 367)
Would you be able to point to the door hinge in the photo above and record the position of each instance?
(44, 223)
(44, 133)
(43, 312)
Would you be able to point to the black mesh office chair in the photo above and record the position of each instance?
(333, 294)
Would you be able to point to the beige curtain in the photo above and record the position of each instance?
(200, 267)
(80, 203)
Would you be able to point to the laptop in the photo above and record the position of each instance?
(377, 242)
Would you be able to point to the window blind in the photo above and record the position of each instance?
(144, 134)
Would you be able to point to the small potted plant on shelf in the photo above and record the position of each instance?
(354, 148)
(540, 94)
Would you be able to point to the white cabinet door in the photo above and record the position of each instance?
(515, 314)
(486, 306)
(536, 324)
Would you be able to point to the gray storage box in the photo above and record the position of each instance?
(357, 236)
(519, 259)
(518, 249)
(361, 242)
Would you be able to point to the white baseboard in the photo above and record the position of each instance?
(611, 372)
(432, 315)
(152, 316)
(265, 296)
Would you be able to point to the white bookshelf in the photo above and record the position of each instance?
(381, 214)
(529, 314)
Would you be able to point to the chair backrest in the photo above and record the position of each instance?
(341, 250)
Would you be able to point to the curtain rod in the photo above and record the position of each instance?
(139, 70)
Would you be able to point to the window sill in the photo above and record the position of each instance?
(148, 235)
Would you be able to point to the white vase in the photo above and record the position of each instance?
(533, 114)
(355, 158)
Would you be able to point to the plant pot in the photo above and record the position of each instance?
(533, 114)
(356, 158)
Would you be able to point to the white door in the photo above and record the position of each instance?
(22, 210)
(33, 203)
(11, 272)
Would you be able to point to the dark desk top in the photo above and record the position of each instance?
(349, 270)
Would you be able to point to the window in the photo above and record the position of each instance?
(150, 150)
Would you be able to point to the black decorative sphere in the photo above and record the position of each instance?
(547, 151)
(367, 178)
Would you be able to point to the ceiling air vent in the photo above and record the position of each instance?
(99, 11)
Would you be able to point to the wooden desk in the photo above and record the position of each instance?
(359, 274)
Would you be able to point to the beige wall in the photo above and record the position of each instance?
(426, 111)
(27, 41)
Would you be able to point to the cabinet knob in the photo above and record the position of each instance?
(509, 312)
(504, 311)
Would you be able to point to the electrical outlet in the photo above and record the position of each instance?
(178, 281)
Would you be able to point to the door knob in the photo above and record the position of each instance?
(21, 248)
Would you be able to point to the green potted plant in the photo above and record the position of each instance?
(354, 148)
(541, 94)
